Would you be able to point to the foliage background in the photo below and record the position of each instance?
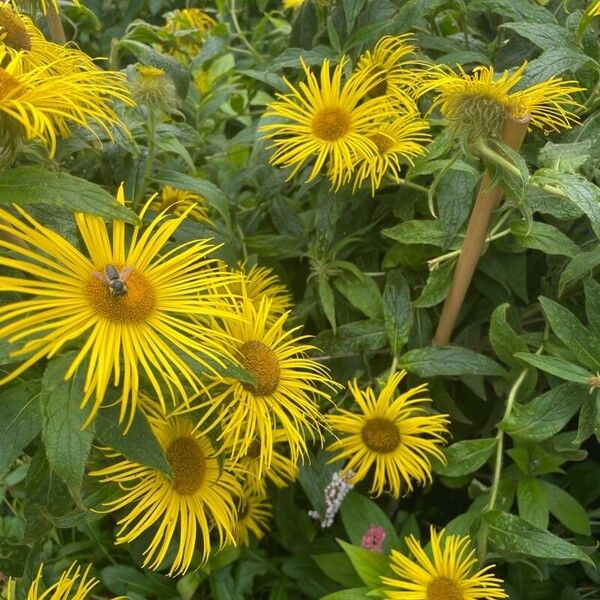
(368, 277)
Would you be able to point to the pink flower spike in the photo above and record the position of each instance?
(373, 539)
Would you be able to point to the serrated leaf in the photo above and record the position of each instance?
(540, 236)
(517, 538)
(546, 414)
(465, 457)
(454, 196)
(21, 421)
(138, 445)
(566, 509)
(580, 266)
(397, 312)
(503, 338)
(358, 336)
(327, 300)
(67, 443)
(545, 35)
(34, 185)
(416, 232)
(565, 157)
(437, 287)
(358, 513)
(532, 502)
(556, 366)
(362, 292)
(449, 360)
(553, 62)
(370, 566)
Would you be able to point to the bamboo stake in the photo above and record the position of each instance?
(57, 31)
(488, 198)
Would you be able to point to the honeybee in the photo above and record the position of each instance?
(115, 279)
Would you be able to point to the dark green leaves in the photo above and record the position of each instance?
(398, 317)
(466, 457)
(427, 362)
(34, 185)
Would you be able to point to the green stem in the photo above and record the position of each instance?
(151, 147)
(414, 186)
(499, 160)
(240, 33)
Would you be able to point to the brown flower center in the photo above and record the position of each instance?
(8, 83)
(443, 589)
(188, 463)
(383, 142)
(261, 361)
(380, 435)
(132, 307)
(331, 123)
(14, 31)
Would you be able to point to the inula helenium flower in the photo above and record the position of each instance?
(448, 572)
(392, 433)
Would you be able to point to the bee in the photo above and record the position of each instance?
(115, 279)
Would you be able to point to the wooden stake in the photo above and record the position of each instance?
(488, 198)
(57, 32)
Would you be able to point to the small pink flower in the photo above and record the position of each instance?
(373, 539)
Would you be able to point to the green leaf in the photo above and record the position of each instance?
(358, 514)
(315, 476)
(557, 366)
(454, 196)
(216, 198)
(465, 457)
(397, 312)
(515, 537)
(437, 287)
(592, 304)
(352, 8)
(370, 566)
(21, 421)
(552, 63)
(337, 566)
(546, 238)
(503, 338)
(532, 502)
(450, 360)
(13, 556)
(351, 594)
(138, 445)
(581, 266)
(358, 336)
(574, 188)
(546, 414)
(327, 300)
(566, 509)
(362, 292)
(565, 157)
(34, 185)
(416, 232)
(572, 333)
(67, 443)
(545, 35)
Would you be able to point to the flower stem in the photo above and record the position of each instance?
(488, 198)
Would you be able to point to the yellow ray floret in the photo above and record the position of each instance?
(144, 331)
(292, 3)
(190, 26)
(400, 140)
(177, 201)
(448, 572)
(200, 498)
(594, 10)
(44, 105)
(253, 517)
(328, 121)
(465, 98)
(287, 385)
(392, 433)
(71, 585)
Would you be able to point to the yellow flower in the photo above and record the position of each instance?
(327, 120)
(482, 100)
(199, 499)
(593, 10)
(144, 327)
(398, 76)
(292, 3)
(41, 104)
(393, 433)
(190, 27)
(448, 574)
(177, 202)
(281, 472)
(401, 139)
(253, 517)
(152, 87)
(286, 390)
(72, 585)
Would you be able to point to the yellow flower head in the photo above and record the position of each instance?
(152, 87)
(40, 104)
(177, 202)
(391, 432)
(480, 102)
(593, 10)
(281, 472)
(292, 3)
(398, 75)
(190, 27)
(253, 517)
(286, 390)
(449, 573)
(126, 306)
(328, 121)
(200, 498)
(401, 139)
(71, 585)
